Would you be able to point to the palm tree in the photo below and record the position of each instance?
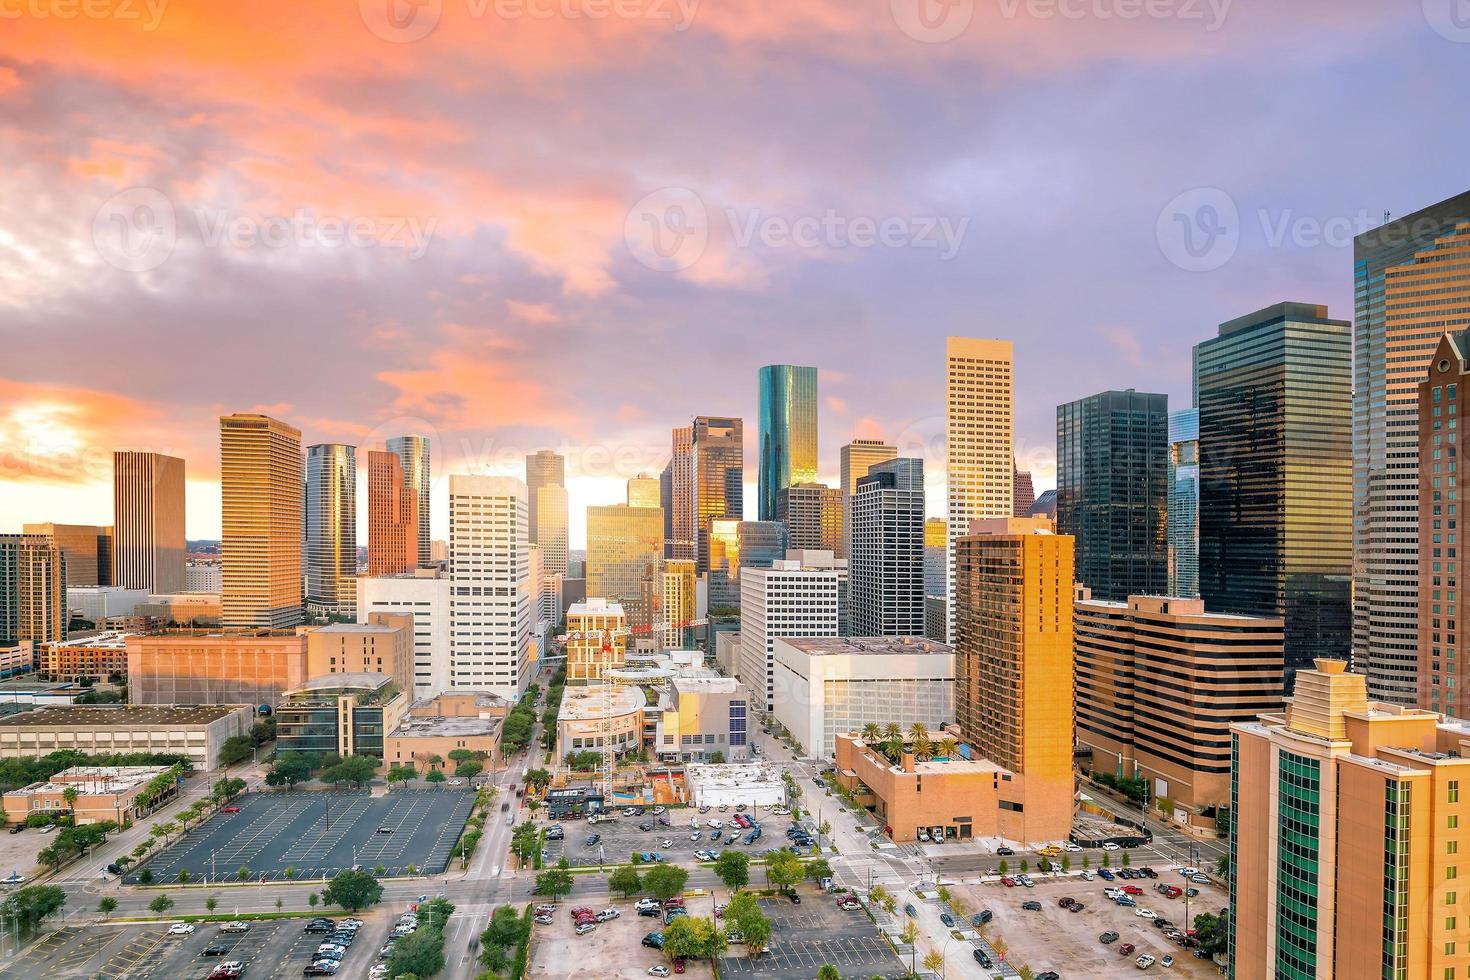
(923, 748)
(948, 746)
(872, 734)
(918, 730)
(893, 740)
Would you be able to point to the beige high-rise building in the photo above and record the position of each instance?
(1014, 661)
(597, 638)
(681, 542)
(32, 589)
(677, 603)
(812, 513)
(261, 510)
(492, 599)
(148, 522)
(979, 438)
(855, 459)
(551, 528)
(543, 469)
(331, 529)
(413, 453)
(643, 491)
(382, 645)
(1345, 837)
(88, 550)
(625, 547)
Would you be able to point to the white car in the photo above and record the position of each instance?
(381, 970)
(658, 809)
(717, 824)
(1087, 876)
(1144, 913)
(1110, 846)
(693, 823)
(1186, 872)
(1069, 846)
(666, 843)
(181, 929)
(658, 970)
(1145, 961)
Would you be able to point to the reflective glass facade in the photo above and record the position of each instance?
(788, 431)
(718, 464)
(331, 525)
(1299, 788)
(1184, 503)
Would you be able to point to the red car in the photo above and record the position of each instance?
(678, 966)
(580, 909)
(230, 809)
(1008, 881)
(1133, 889)
(674, 903)
(1127, 949)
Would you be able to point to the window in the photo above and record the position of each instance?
(1454, 791)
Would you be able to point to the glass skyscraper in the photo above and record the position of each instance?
(886, 570)
(413, 453)
(331, 527)
(788, 432)
(1184, 503)
(717, 464)
(1275, 446)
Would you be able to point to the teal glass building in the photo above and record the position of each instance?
(788, 431)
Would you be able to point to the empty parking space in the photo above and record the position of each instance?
(806, 936)
(620, 837)
(318, 834)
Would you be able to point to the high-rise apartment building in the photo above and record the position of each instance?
(678, 603)
(543, 469)
(1112, 490)
(680, 519)
(788, 436)
(1443, 672)
(148, 546)
(33, 602)
(980, 458)
(1275, 438)
(262, 526)
(1412, 284)
(393, 517)
(1013, 662)
(1347, 822)
(597, 639)
(88, 551)
(1159, 683)
(643, 491)
(491, 593)
(1023, 493)
(812, 513)
(625, 547)
(796, 596)
(1184, 502)
(854, 461)
(413, 453)
(552, 517)
(718, 460)
(331, 528)
(887, 563)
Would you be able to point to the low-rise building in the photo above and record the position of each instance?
(95, 655)
(215, 668)
(597, 639)
(99, 603)
(423, 737)
(102, 793)
(18, 657)
(198, 733)
(825, 686)
(727, 652)
(752, 784)
(600, 717)
(33, 693)
(699, 716)
(380, 644)
(348, 714)
(187, 609)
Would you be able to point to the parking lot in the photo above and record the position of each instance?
(613, 950)
(319, 834)
(805, 936)
(270, 950)
(620, 837)
(1032, 938)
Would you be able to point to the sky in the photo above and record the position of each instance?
(575, 224)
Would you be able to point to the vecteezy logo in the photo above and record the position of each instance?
(1199, 230)
(667, 231)
(135, 230)
(1449, 18)
(401, 21)
(932, 21)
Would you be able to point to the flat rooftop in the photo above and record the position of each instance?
(582, 703)
(352, 629)
(711, 684)
(94, 780)
(437, 726)
(131, 715)
(731, 775)
(368, 680)
(111, 640)
(595, 607)
(828, 646)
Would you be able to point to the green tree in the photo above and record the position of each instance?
(379, 870)
(694, 939)
(506, 929)
(664, 881)
(460, 755)
(1025, 866)
(160, 904)
(354, 769)
(183, 876)
(828, 972)
(744, 915)
(402, 774)
(146, 876)
(1005, 867)
(353, 890)
(419, 954)
(1107, 860)
(538, 778)
(1212, 931)
(290, 872)
(1066, 863)
(26, 907)
(1127, 859)
(733, 868)
(235, 749)
(783, 869)
(819, 869)
(434, 776)
(625, 881)
(934, 961)
(243, 873)
(311, 899)
(1026, 973)
(107, 906)
(469, 770)
(288, 771)
(1222, 821)
(554, 882)
(69, 796)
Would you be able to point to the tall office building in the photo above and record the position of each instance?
(413, 453)
(854, 461)
(1013, 662)
(887, 564)
(1346, 826)
(88, 551)
(32, 589)
(543, 469)
(1112, 491)
(644, 491)
(812, 513)
(597, 639)
(148, 545)
(1444, 675)
(680, 518)
(678, 605)
(331, 528)
(491, 602)
(1023, 493)
(796, 596)
(1275, 512)
(788, 436)
(260, 508)
(625, 547)
(723, 576)
(423, 593)
(761, 543)
(551, 528)
(393, 517)
(1184, 503)
(1396, 329)
(718, 459)
(936, 556)
(980, 457)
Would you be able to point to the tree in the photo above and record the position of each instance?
(1026, 973)
(353, 890)
(69, 796)
(160, 904)
(693, 939)
(288, 771)
(419, 954)
(819, 869)
(1222, 866)
(910, 934)
(1212, 931)
(717, 758)
(354, 769)
(146, 876)
(934, 962)
(434, 776)
(311, 899)
(402, 774)
(27, 906)
(184, 876)
(460, 755)
(733, 868)
(533, 805)
(243, 873)
(538, 778)
(1222, 821)
(625, 881)
(1127, 859)
(211, 903)
(1025, 866)
(235, 749)
(947, 747)
(783, 869)
(1107, 860)
(744, 915)
(872, 734)
(107, 906)
(290, 872)
(1066, 863)
(828, 972)
(469, 770)
(923, 748)
(664, 881)
(554, 882)
(506, 929)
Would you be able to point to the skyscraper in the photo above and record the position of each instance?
(812, 513)
(855, 459)
(1444, 674)
(718, 459)
(87, 547)
(32, 589)
(261, 519)
(886, 597)
(148, 543)
(331, 528)
(936, 556)
(543, 469)
(797, 596)
(1112, 491)
(393, 517)
(413, 453)
(1023, 493)
(1397, 326)
(644, 491)
(1275, 512)
(677, 604)
(681, 518)
(624, 550)
(788, 434)
(491, 594)
(1184, 503)
(980, 458)
(551, 528)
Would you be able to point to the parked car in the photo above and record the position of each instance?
(1145, 961)
(236, 926)
(1108, 938)
(654, 940)
(1110, 846)
(982, 958)
(1105, 874)
(593, 840)
(1166, 962)
(1031, 906)
(947, 919)
(320, 925)
(910, 911)
(1005, 852)
(227, 970)
(585, 928)
(215, 949)
(229, 809)
(181, 929)
(658, 970)
(1127, 949)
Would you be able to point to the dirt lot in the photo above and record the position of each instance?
(614, 950)
(1036, 938)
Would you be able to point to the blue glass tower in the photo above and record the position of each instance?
(788, 431)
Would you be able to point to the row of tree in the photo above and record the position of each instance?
(890, 740)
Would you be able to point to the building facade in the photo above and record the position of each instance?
(854, 460)
(88, 551)
(597, 639)
(331, 528)
(262, 522)
(788, 432)
(33, 604)
(204, 669)
(98, 656)
(382, 645)
(678, 605)
(490, 589)
(812, 513)
(199, 732)
(625, 547)
(791, 598)
(701, 719)
(543, 469)
(1023, 493)
(717, 454)
(148, 521)
(886, 596)
(680, 515)
(413, 456)
(346, 714)
(1184, 503)
(393, 517)
(552, 530)
(425, 595)
(1442, 647)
